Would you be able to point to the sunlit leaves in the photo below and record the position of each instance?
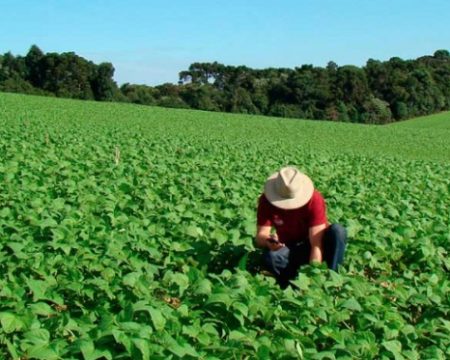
(152, 256)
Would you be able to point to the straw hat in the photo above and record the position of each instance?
(288, 188)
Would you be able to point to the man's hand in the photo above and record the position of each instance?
(315, 237)
(263, 238)
(273, 244)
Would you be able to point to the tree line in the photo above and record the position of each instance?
(377, 93)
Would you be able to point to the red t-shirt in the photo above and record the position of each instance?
(293, 225)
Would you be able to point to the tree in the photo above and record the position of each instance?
(139, 94)
(442, 55)
(400, 110)
(66, 75)
(342, 112)
(311, 90)
(379, 92)
(12, 67)
(103, 85)
(202, 97)
(169, 96)
(241, 102)
(351, 85)
(33, 63)
(376, 111)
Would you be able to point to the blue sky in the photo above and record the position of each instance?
(149, 42)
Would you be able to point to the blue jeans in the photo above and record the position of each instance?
(285, 262)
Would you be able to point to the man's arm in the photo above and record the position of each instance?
(315, 238)
(262, 237)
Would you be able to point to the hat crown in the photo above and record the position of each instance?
(288, 188)
(288, 183)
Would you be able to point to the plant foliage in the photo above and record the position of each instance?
(149, 254)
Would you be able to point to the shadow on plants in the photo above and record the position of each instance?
(215, 259)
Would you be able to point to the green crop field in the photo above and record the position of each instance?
(126, 232)
(432, 122)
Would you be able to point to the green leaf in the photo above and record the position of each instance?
(17, 249)
(203, 287)
(290, 347)
(220, 298)
(131, 279)
(302, 282)
(412, 354)
(183, 310)
(395, 347)
(219, 235)
(48, 223)
(11, 349)
(193, 231)
(158, 320)
(5, 212)
(353, 227)
(335, 279)
(10, 322)
(58, 204)
(38, 337)
(351, 304)
(143, 347)
(39, 288)
(391, 211)
(327, 355)
(181, 247)
(180, 348)
(91, 353)
(210, 329)
(242, 265)
(87, 349)
(180, 279)
(237, 335)
(121, 338)
(42, 308)
(241, 307)
(42, 352)
(299, 349)
(130, 326)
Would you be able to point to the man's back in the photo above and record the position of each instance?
(292, 225)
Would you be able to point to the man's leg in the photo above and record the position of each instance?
(285, 262)
(276, 261)
(334, 243)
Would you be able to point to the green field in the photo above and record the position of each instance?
(127, 232)
(437, 121)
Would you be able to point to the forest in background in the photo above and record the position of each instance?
(378, 93)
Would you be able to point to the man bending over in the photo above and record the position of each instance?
(292, 226)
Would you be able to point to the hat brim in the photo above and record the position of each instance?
(302, 198)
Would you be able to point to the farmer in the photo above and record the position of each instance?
(296, 211)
